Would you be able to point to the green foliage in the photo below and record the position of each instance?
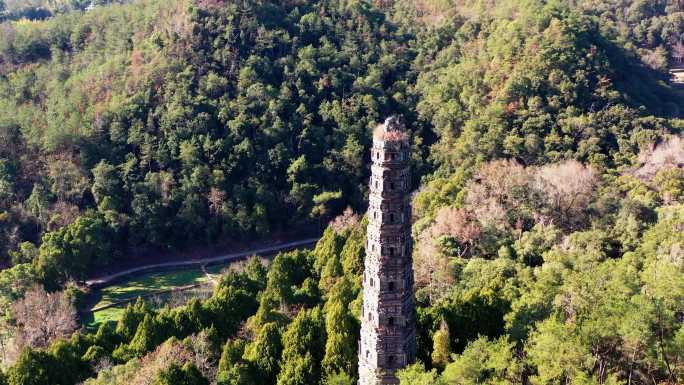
(550, 323)
(353, 253)
(416, 375)
(107, 337)
(304, 342)
(14, 282)
(227, 309)
(268, 310)
(147, 336)
(257, 272)
(534, 243)
(239, 374)
(441, 347)
(94, 354)
(232, 353)
(32, 368)
(327, 248)
(27, 253)
(40, 9)
(554, 67)
(485, 361)
(670, 184)
(107, 188)
(288, 274)
(477, 306)
(7, 181)
(186, 375)
(324, 203)
(339, 379)
(60, 365)
(342, 331)
(558, 356)
(130, 319)
(168, 124)
(71, 251)
(264, 353)
(179, 131)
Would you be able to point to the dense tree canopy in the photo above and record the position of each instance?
(182, 122)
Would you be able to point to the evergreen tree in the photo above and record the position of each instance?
(304, 347)
(342, 331)
(339, 379)
(133, 315)
(186, 375)
(146, 337)
(441, 346)
(265, 352)
(232, 354)
(32, 368)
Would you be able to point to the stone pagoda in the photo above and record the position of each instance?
(388, 334)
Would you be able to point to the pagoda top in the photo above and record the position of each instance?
(392, 130)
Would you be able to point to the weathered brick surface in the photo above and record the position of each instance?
(388, 335)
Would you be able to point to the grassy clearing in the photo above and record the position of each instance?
(105, 316)
(144, 285)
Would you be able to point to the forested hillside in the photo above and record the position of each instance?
(173, 123)
(548, 166)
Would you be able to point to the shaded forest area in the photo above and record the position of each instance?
(43, 9)
(548, 168)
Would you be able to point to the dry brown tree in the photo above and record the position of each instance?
(203, 354)
(569, 188)
(432, 269)
(459, 224)
(501, 193)
(655, 58)
(41, 318)
(347, 220)
(167, 354)
(668, 154)
(63, 214)
(144, 371)
(217, 199)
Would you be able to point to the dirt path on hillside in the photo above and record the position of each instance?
(103, 281)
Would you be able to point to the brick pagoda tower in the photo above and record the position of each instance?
(388, 334)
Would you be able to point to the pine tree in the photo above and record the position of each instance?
(353, 253)
(328, 247)
(341, 345)
(441, 346)
(304, 342)
(231, 355)
(147, 337)
(238, 374)
(176, 375)
(265, 351)
(342, 330)
(32, 368)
